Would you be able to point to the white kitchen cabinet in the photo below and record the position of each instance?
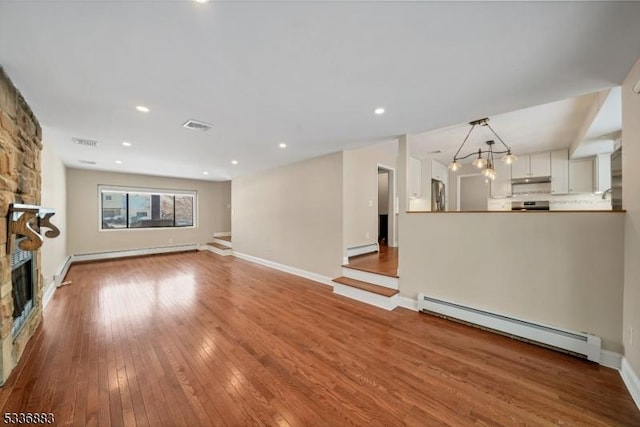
(415, 178)
(532, 165)
(560, 171)
(581, 176)
(439, 171)
(602, 175)
(501, 186)
(540, 164)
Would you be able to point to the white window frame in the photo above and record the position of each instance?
(146, 190)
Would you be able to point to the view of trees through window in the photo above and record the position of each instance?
(146, 210)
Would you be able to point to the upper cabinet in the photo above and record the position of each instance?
(532, 165)
(501, 186)
(560, 171)
(439, 171)
(581, 176)
(415, 178)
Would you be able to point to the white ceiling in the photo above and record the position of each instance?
(542, 128)
(307, 73)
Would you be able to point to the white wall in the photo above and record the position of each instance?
(54, 195)
(631, 202)
(563, 269)
(361, 193)
(292, 215)
(85, 235)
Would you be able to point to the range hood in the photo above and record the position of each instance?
(532, 180)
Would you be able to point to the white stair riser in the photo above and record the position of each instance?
(387, 303)
(222, 242)
(223, 252)
(376, 279)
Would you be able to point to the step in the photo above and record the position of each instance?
(219, 249)
(388, 281)
(223, 241)
(366, 286)
(367, 293)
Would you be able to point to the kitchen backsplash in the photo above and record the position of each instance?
(542, 192)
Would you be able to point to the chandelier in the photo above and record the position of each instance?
(485, 159)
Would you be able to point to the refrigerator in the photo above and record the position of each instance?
(616, 180)
(438, 196)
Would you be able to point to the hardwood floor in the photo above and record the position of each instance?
(199, 339)
(384, 262)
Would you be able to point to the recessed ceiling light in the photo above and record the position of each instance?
(205, 172)
(142, 109)
(118, 162)
(201, 1)
(234, 162)
(282, 145)
(126, 144)
(379, 111)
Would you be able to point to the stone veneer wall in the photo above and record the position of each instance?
(20, 146)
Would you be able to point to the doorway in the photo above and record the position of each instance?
(387, 230)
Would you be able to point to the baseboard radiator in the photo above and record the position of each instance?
(576, 343)
(362, 249)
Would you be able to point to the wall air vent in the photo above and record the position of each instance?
(87, 162)
(197, 125)
(85, 142)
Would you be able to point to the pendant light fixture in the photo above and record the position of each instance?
(485, 158)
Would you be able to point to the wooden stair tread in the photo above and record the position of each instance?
(366, 286)
(369, 270)
(219, 246)
(225, 238)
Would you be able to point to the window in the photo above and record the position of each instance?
(145, 208)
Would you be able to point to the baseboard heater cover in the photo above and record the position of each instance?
(362, 249)
(134, 252)
(578, 343)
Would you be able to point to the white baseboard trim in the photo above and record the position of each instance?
(133, 252)
(57, 280)
(362, 249)
(610, 359)
(286, 268)
(221, 234)
(408, 303)
(631, 380)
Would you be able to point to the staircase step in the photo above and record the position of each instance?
(223, 241)
(219, 246)
(369, 270)
(366, 286)
(370, 277)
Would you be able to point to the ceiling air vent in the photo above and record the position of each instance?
(197, 125)
(87, 162)
(85, 142)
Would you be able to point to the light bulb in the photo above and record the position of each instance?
(509, 158)
(454, 166)
(479, 162)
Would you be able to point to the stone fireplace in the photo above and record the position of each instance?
(20, 146)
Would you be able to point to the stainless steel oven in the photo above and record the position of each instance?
(530, 206)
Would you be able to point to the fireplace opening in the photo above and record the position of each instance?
(22, 281)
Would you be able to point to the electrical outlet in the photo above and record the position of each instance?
(630, 335)
(170, 240)
(367, 235)
(370, 203)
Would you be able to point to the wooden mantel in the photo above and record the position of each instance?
(28, 220)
